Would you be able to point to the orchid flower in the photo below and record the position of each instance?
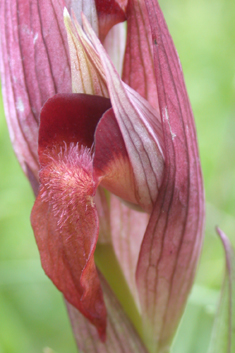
(119, 194)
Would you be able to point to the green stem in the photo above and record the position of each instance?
(107, 263)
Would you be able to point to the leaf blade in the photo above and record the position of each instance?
(223, 333)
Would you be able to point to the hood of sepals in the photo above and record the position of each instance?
(139, 125)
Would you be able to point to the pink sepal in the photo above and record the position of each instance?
(34, 66)
(172, 242)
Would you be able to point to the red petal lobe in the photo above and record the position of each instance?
(111, 161)
(65, 223)
(70, 118)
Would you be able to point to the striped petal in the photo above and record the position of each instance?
(88, 8)
(172, 242)
(138, 67)
(85, 78)
(128, 227)
(34, 66)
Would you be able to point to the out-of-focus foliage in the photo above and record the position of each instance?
(33, 317)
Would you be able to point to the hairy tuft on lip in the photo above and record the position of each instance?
(67, 181)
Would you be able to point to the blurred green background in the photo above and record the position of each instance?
(33, 318)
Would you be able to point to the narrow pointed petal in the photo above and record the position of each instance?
(85, 79)
(110, 12)
(121, 336)
(127, 228)
(223, 333)
(172, 242)
(138, 67)
(135, 123)
(34, 66)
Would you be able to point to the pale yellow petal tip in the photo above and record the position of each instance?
(67, 21)
(66, 15)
